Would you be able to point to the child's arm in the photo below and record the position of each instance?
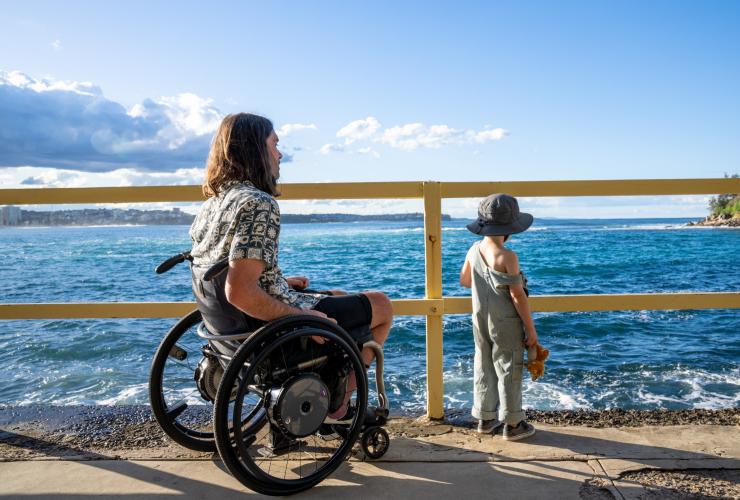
(520, 300)
(465, 273)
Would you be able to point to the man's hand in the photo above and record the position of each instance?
(297, 282)
(531, 339)
(314, 312)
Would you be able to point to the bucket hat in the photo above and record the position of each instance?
(499, 215)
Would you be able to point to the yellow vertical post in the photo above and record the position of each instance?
(433, 282)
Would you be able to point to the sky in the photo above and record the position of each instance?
(102, 94)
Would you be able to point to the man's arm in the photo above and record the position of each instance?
(243, 291)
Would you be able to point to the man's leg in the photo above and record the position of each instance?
(380, 326)
(381, 322)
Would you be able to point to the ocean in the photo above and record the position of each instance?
(625, 359)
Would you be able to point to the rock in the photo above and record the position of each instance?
(720, 220)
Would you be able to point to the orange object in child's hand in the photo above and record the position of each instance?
(536, 357)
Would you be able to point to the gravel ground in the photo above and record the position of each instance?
(595, 489)
(617, 417)
(133, 427)
(697, 484)
(104, 432)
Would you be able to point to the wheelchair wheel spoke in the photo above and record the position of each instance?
(183, 399)
(249, 440)
(187, 366)
(260, 424)
(176, 410)
(173, 397)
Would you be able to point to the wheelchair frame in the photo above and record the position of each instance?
(282, 413)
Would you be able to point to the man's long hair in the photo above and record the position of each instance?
(239, 153)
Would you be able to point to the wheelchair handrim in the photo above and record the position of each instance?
(238, 449)
(190, 438)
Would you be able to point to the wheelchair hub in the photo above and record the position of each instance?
(208, 375)
(300, 405)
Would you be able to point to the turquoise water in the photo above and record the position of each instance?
(629, 359)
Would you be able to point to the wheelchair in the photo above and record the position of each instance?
(262, 397)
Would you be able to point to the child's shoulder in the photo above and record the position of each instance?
(509, 257)
(508, 252)
(473, 248)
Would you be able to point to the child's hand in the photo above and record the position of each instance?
(531, 339)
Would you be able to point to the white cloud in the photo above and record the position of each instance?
(587, 207)
(494, 134)
(331, 148)
(368, 151)
(71, 125)
(25, 82)
(56, 45)
(184, 116)
(412, 136)
(290, 128)
(359, 130)
(417, 135)
(24, 177)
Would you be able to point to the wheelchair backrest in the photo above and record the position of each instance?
(219, 315)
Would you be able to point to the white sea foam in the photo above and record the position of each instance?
(654, 227)
(697, 382)
(79, 227)
(127, 395)
(547, 395)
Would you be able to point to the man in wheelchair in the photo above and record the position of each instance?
(240, 224)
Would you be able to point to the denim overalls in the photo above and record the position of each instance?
(499, 351)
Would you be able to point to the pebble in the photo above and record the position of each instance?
(131, 427)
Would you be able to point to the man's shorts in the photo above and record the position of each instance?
(352, 312)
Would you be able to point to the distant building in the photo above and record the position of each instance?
(10, 216)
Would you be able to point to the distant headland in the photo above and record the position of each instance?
(724, 210)
(14, 216)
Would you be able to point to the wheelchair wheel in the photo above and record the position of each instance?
(375, 442)
(278, 386)
(178, 406)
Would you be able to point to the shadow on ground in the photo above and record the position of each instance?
(423, 469)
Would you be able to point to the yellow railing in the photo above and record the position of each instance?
(434, 305)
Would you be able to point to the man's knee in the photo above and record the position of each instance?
(381, 306)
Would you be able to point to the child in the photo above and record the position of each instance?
(502, 322)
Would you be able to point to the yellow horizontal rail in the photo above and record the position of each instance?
(152, 194)
(351, 190)
(133, 194)
(376, 190)
(401, 307)
(633, 187)
(69, 310)
(434, 305)
(615, 302)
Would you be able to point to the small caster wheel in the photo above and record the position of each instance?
(375, 442)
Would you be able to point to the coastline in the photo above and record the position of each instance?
(130, 427)
(717, 221)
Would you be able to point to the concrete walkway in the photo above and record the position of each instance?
(446, 462)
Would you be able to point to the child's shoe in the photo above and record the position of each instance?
(489, 426)
(520, 431)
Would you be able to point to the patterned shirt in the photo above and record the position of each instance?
(243, 222)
